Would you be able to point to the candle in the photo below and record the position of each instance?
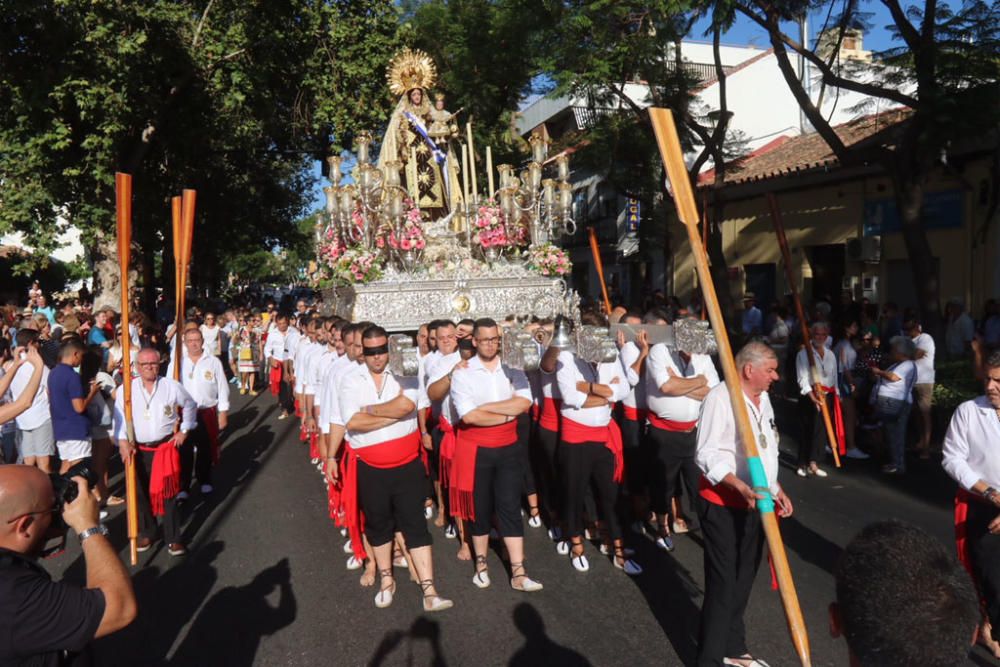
(465, 172)
(472, 160)
(489, 170)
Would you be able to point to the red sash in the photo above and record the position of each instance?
(548, 417)
(838, 421)
(388, 454)
(611, 435)
(209, 417)
(274, 380)
(298, 411)
(468, 440)
(720, 494)
(165, 476)
(314, 445)
(669, 424)
(334, 491)
(446, 453)
(962, 501)
(635, 414)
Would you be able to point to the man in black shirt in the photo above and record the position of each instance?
(43, 622)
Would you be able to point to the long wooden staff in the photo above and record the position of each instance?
(178, 236)
(779, 230)
(183, 221)
(123, 205)
(595, 250)
(673, 159)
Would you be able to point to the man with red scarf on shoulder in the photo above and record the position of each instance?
(487, 471)
(155, 401)
(385, 475)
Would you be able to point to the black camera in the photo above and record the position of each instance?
(65, 488)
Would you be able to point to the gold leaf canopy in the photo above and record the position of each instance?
(409, 70)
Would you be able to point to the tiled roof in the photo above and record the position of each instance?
(806, 153)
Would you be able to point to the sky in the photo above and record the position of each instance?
(743, 33)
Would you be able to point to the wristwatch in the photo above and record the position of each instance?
(99, 529)
(990, 494)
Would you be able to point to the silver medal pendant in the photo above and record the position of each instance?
(762, 441)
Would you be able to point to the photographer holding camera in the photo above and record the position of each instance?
(43, 622)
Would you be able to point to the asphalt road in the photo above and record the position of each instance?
(265, 582)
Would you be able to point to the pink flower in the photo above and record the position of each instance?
(405, 244)
(420, 244)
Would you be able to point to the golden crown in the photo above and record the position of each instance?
(410, 69)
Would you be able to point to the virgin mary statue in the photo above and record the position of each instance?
(428, 167)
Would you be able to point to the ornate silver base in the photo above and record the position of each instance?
(405, 305)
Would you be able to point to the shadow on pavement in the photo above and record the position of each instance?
(422, 630)
(231, 625)
(167, 601)
(538, 648)
(809, 545)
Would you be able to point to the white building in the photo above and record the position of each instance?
(761, 107)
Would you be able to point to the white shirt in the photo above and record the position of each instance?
(826, 368)
(972, 444)
(205, 381)
(476, 385)
(292, 339)
(303, 348)
(902, 389)
(211, 338)
(154, 414)
(337, 376)
(275, 345)
(437, 368)
(636, 397)
(316, 366)
(327, 395)
(359, 390)
(925, 365)
(675, 408)
(720, 451)
(570, 369)
(38, 413)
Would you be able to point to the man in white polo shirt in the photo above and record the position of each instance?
(676, 384)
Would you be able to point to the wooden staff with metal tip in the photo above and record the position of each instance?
(779, 230)
(123, 206)
(595, 250)
(673, 160)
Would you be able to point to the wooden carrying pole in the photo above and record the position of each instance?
(687, 211)
(595, 250)
(123, 205)
(779, 230)
(182, 209)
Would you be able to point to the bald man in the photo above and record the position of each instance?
(41, 619)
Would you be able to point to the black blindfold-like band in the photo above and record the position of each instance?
(465, 344)
(372, 351)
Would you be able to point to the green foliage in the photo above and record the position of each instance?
(234, 99)
(486, 54)
(954, 384)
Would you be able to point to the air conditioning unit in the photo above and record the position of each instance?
(866, 249)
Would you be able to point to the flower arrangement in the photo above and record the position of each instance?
(359, 265)
(331, 247)
(410, 238)
(489, 230)
(549, 260)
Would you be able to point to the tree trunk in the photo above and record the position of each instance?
(909, 193)
(717, 259)
(107, 272)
